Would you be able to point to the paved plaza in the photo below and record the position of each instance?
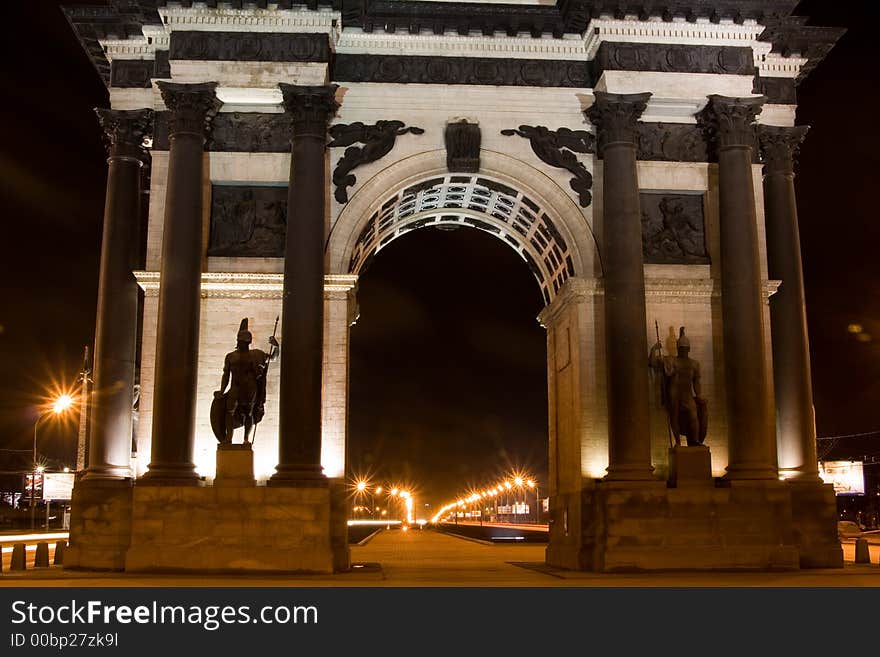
(426, 558)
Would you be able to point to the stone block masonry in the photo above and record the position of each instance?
(214, 529)
(647, 526)
(206, 529)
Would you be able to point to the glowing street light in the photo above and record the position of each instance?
(59, 405)
(534, 484)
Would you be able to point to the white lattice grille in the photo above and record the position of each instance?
(476, 202)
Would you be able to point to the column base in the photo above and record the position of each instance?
(170, 474)
(797, 475)
(106, 473)
(298, 476)
(104, 482)
(626, 472)
(747, 470)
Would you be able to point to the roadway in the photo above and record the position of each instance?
(427, 558)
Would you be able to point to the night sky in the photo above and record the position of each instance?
(448, 379)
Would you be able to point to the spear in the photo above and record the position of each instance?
(663, 391)
(266, 373)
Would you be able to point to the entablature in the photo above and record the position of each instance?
(782, 45)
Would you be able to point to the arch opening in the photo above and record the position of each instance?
(448, 366)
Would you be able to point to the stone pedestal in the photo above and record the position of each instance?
(210, 529)
(100, 526)
(234, 529)
(690, 466)
(642, 526)
(235, 466)
(814, 521)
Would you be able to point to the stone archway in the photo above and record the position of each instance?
(530, 213)
(478, 202)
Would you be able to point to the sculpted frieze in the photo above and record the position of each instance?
(248, 221)
(250, 132)
(131, 73)
(674, 58)
(672, 142)
(673, 229)
(779, 91)
(250, 46)
(461, 70)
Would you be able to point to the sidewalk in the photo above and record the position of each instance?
(425, 558)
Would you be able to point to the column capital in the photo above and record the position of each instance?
(615, 117)
(779, 147)
(192, 106)
(124, 131)
(309, 107)
(730, 121)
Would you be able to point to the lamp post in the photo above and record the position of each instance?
(60, 405)
(534, 484)
(407, 505)
(377, 491)
(518, 482)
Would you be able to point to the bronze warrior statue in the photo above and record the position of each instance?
(680, 377)
(243, 404)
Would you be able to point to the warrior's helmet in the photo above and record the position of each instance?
(683, 342)
(243, 334)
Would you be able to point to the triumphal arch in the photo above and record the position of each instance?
(638, 156)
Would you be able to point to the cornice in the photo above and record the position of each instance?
(775, 65)
(783, 45)
(790, 36)
(355, 41)
(224, 285)
(678, 31)
(226, 19)
(461, 17)
(657, 290)
(137, 48)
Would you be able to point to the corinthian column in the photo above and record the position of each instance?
(752, 446)
(302, 314)
(116, 323)
(192, 107)
(795, 426)
(629, 441)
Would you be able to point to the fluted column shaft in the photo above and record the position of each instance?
(629, 441)
(793, 390)
(116, 321)
(302, 313)
(752, 444)
(192, 107)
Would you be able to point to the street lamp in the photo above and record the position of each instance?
(61, 404)
(407, 504)
(534, 484)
